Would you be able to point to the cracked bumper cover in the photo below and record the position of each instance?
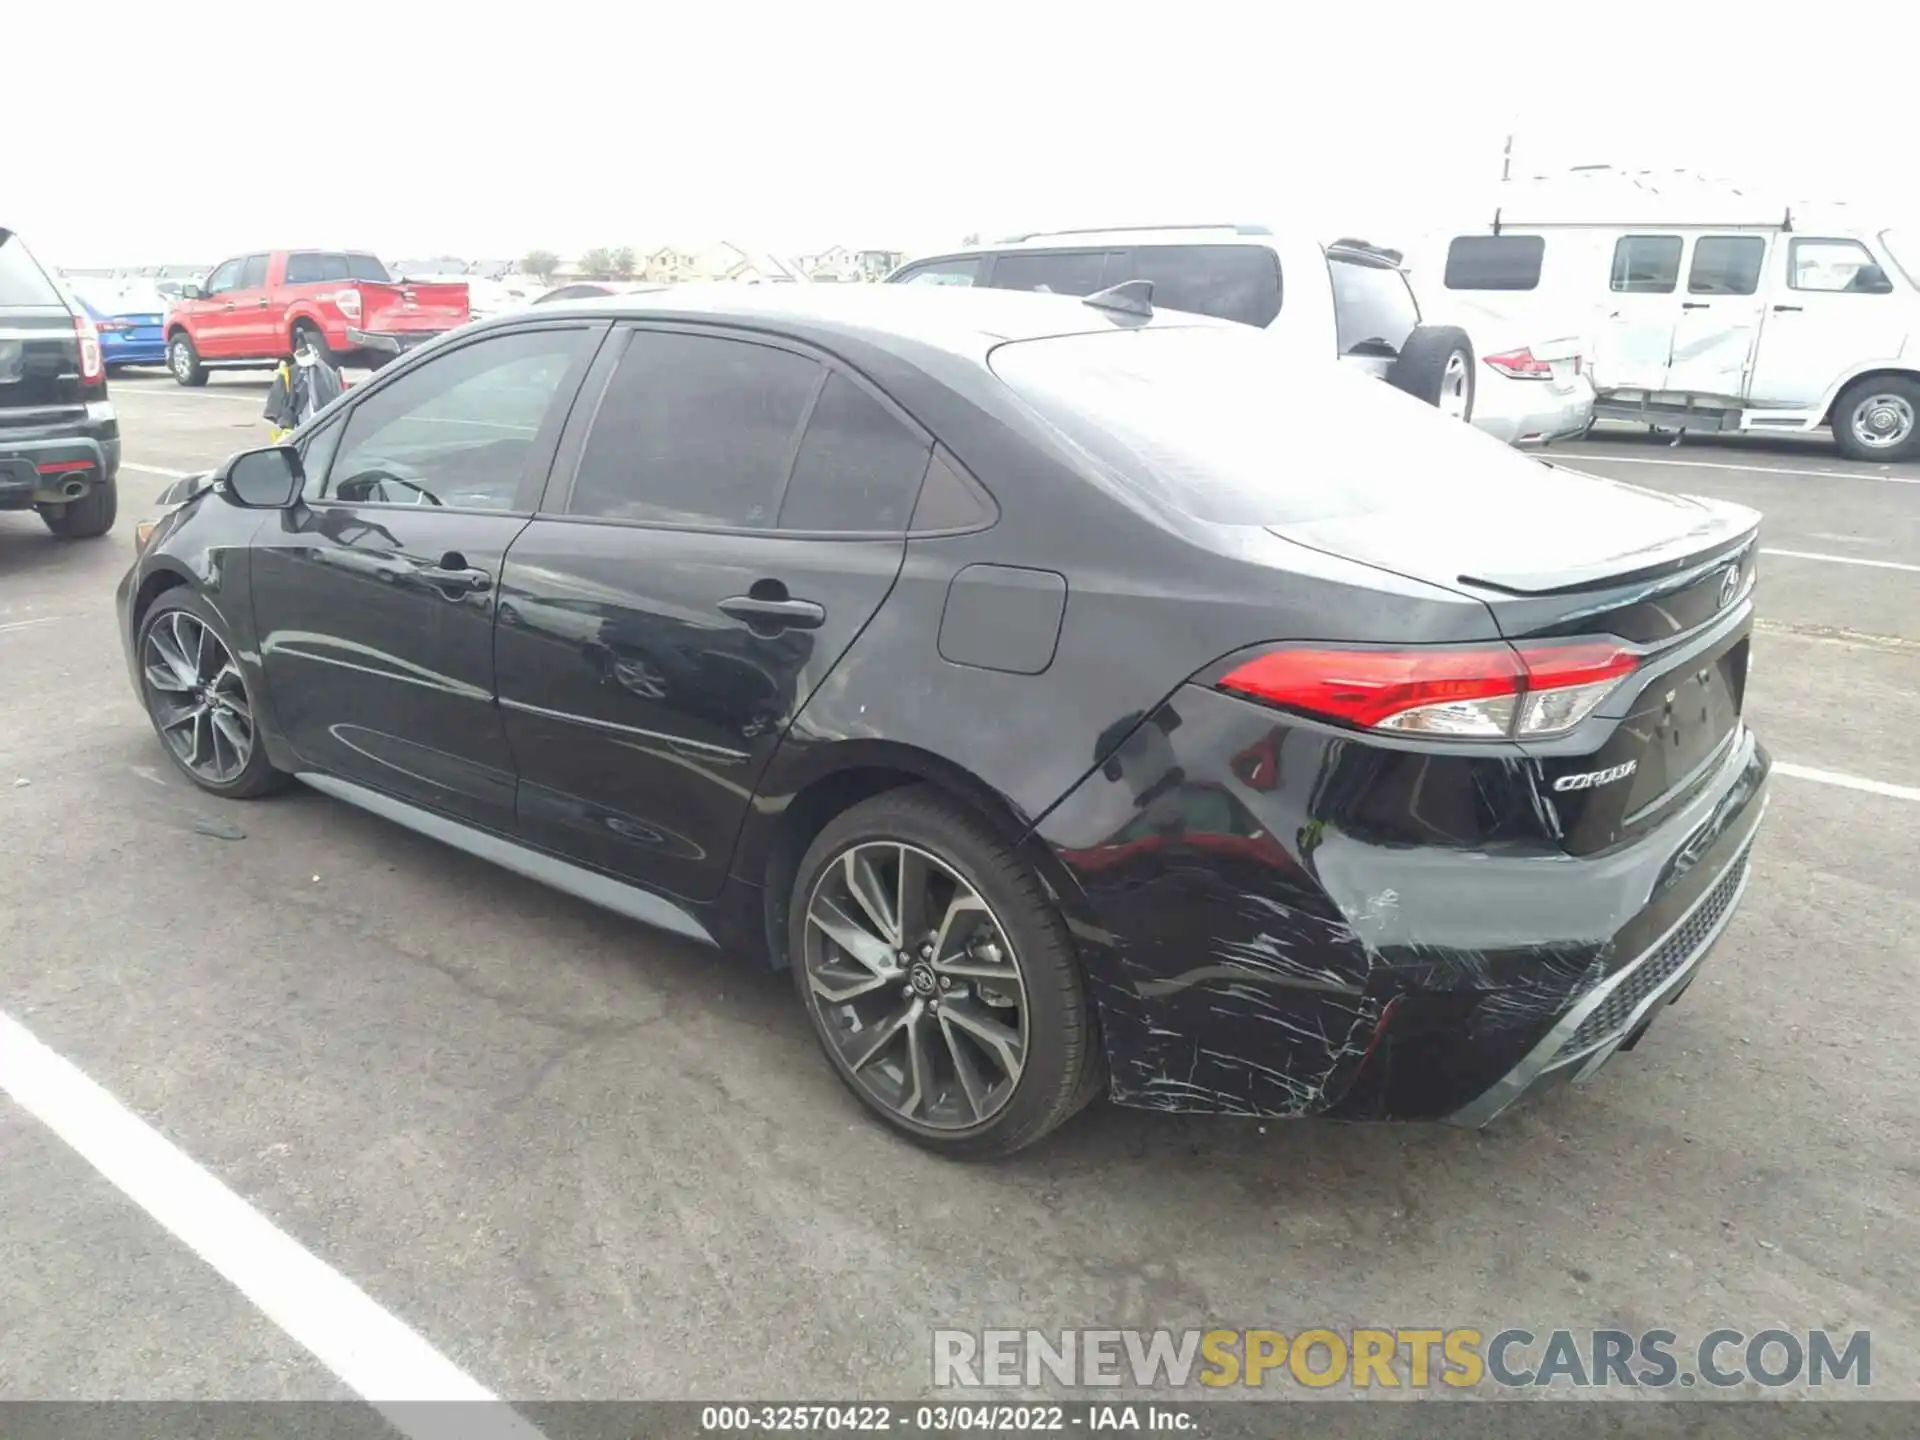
(1265, 935)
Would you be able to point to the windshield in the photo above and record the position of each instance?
(1222, 425)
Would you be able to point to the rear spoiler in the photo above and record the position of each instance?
(1727, 531)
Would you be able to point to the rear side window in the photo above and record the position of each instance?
(309, 267)
(366, 267)
(1494, 262)
(253, 272)
(1726, 265)
(859, 468)
(1228, 282)
(22, 281)
(1373, 308)
(1646, 264)
(1078, 272)
(695, 430)
(968, 271)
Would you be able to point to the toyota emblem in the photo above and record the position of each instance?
(1729, 585)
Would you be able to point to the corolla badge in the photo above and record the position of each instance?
(1729, 585)
(1591, 778)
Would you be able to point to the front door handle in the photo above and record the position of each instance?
(265, 303)
(457, 577)
(771, 614)
(1694, 305)
(1796, 309)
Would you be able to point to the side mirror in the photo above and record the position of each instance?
(193, 290)
(268, 479)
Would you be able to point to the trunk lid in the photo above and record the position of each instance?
(405, 307)
(1566, 554)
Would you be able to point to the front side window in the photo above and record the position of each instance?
(946, 272)
(695, 430)
(225, 277)
(458, 430)
(1079, 272)
(1836, 266)
(1726, 265)
(1373, 308)
(1228, 282)
(1646, 264)
(1494, 262)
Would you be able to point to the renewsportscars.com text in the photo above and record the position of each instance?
(1416, 1359)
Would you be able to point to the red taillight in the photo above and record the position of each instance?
(1492, 692)
(1520, 365)
(349, 303)
(92, 368)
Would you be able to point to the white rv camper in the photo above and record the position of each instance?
(1708, 309)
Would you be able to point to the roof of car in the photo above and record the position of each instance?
(949, 317)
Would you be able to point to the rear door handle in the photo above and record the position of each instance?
(1694, 305)
(1796, 309)
(774, 614)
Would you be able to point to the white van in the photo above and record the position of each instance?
(1715, 312)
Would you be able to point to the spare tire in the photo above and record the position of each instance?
(1436, 365)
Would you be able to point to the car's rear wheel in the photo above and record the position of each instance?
(1436, 365)
(1878, 419)
(183, 359)
(197, 697)
(941, 982)
(90, 515)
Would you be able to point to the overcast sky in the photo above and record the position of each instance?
(188, 132)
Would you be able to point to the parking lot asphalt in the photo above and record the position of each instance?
(583, 1159)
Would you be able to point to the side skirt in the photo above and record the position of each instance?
(590, 885)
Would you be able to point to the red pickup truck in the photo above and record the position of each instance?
(253, 309)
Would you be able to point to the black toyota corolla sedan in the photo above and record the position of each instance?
(1073, 696)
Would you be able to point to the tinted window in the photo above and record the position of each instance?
(945, 272)
(1075, 273)
(253, 273)
(1835, 265)
(459, 429)
(366, 267)
(1726, 265)
(859, 468)
(1229, 282)
(695, 430)
(1373, 309)
(22, 282)
(1494, 262)
(224, 278)
(1646, 264)
(1206, 422)
(310, 267)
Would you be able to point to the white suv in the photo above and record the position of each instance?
(1347, 298)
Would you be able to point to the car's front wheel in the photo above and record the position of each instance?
(197, 697)
(1879, 419)
(940, 980)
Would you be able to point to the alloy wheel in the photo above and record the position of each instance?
(916, 985)
(1883, 422)
(197, 697)
(182, 360)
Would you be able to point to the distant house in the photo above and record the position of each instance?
(842, 264)
(670, 265)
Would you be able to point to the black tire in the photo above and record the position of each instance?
(1853, 428)
(1426, 367)
(91, 515)
(1063, 1068)
(258, 777)
(309, 333)
(183, 360)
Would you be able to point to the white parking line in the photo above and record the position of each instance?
(155, 470)
(1842, 559)
(6, 625)
(1846, 782)
(372, 1351)
(1743, 469)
